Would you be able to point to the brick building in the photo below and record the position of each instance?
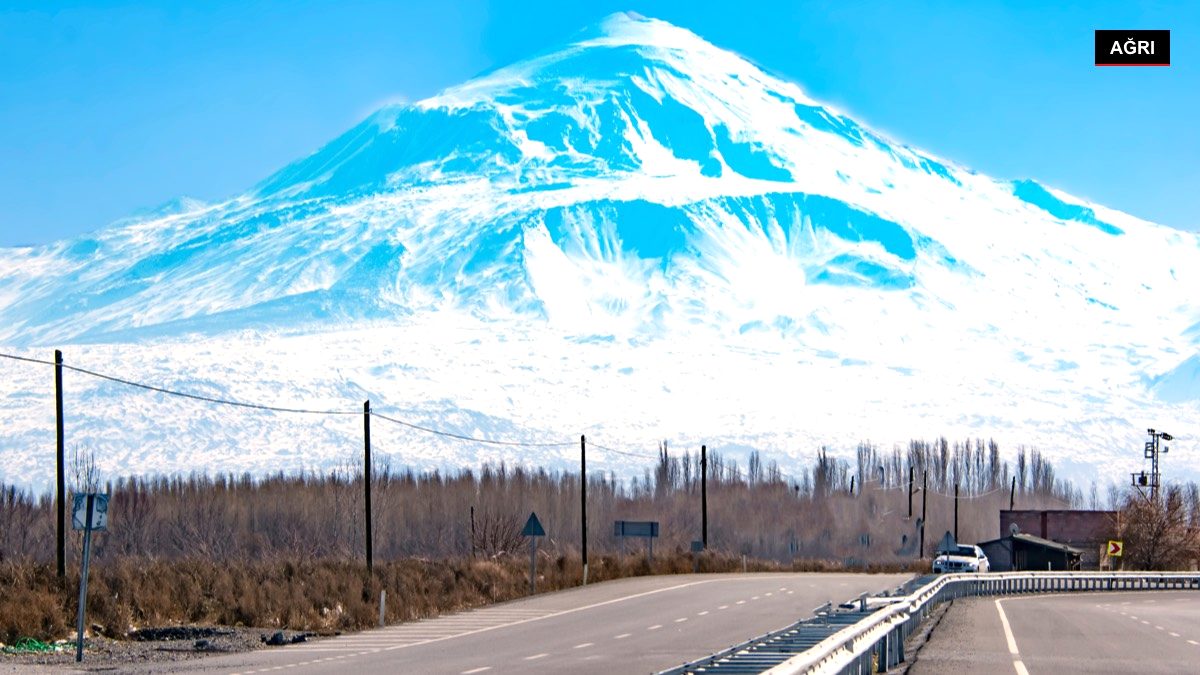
(1088, 531)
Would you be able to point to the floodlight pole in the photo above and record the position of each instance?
(1152, 451)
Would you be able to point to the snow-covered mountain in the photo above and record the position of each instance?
(636, 236)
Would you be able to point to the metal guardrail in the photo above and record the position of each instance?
(866, 641)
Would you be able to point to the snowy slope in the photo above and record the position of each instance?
(640, 235)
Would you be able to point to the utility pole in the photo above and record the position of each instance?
(924, 506)
(1012, 495)
(472, 531)
(583, 500)
(61, 495)
(911, 470)
(704, 496)
(852, 485)
(367, 476)
(956, 512)
(1152, 450)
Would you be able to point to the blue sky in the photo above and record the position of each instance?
(107, 108)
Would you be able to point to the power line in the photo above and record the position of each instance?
(461, 437)
(24, 358)
(640, 455)
(183, 394)
(209, 399)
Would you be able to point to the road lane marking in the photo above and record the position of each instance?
(723, 607)
(622, 636)
(583, 645)
(518, 617)
(1160, 628)
(476, 670)
(703, 613)
(1145, 622)
(768, 594)
(1173, 634)
(535, 657)
(741, 602)
(754, 598)
(1012, 642)
(1193, 642)
(681, 620)
(655, 626)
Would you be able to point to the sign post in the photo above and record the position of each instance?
(533, 530)
(90, 512)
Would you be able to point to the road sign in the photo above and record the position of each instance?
(99, 512)
(635, 528)
(1115, 548)
(533, 527)
(947, 544)
(533, 530)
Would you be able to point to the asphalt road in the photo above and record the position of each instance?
(627, 626)
(1119, 632)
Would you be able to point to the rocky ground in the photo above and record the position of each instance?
(174, 643)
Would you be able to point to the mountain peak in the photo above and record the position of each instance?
(631, 28)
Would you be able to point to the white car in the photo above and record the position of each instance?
(963, 559)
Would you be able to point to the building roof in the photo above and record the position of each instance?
(1036, 541)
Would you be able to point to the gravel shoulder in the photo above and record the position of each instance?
(154, 646)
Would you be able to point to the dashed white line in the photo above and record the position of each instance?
(1160, 628)
(535, 657)
(703, 613)
(655, 626)
(1193, 642)
(622, 636)
(754, 598)
(584, 645)
(1145, 622)
(723, 607)
(769, 593)
(741, 602)
(1018, 665)
(681, 619)
(1172, 633)
(476, 670)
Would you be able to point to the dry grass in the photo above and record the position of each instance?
(319, 596)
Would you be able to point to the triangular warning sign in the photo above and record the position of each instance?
(533, 527)
(947, 544)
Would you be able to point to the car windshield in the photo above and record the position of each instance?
(968, 551)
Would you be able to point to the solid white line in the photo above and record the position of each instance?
(536, 656)
(1012, 642)
(476, 670)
